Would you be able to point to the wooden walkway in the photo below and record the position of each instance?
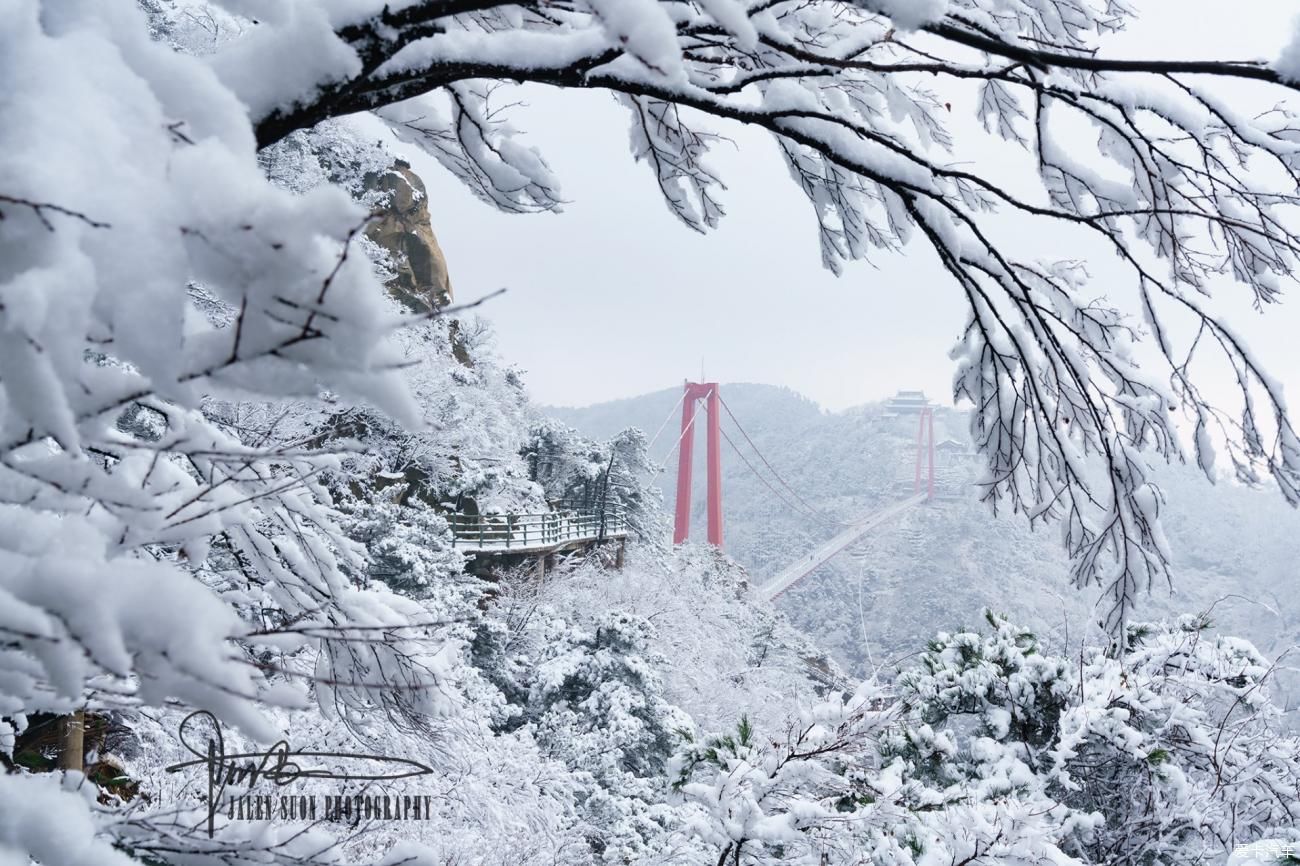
(534, 533)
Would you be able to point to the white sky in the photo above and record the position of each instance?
(615, 297)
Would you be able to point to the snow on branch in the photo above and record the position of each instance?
(1185, 188)
(126, 490)
(151, 545)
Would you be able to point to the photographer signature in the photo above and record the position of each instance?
(279, 764)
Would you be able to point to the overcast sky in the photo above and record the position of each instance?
(615, 297)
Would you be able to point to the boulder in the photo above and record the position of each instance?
(402, 227)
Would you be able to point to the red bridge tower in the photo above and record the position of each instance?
(696, 391)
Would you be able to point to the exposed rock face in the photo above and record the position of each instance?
(403, 229)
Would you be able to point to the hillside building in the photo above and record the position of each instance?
(907, 403)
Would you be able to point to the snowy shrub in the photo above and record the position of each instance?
(615, 476)
(597, 698)
(1172, 753)
(996, 751)
(408, 547)
(592, 698)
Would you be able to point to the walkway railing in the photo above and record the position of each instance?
(524, 532)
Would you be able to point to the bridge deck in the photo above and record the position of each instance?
(800, 569)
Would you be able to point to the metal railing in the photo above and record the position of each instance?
(533, 531)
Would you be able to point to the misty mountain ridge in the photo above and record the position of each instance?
(939, 564)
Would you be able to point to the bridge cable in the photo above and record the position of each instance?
(663, 426)
(815, 511)
(779, 495)
(663, 464)
(862, 616)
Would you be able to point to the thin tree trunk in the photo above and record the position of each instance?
(72, 741)
(604, 494)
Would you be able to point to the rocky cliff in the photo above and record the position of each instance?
(403, 229)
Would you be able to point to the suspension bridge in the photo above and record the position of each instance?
(801, 568)
(544, 534)
(848, 532)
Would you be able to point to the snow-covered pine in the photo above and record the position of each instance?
(1000, 751)
(604, 478)
(1127, 756)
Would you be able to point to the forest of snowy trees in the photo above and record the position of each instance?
(936, 567)
(230, 448)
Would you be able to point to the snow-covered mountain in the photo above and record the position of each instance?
(938, 565)
(257, 469)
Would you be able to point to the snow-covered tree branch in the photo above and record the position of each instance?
(225, 454)
(1178, 182)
